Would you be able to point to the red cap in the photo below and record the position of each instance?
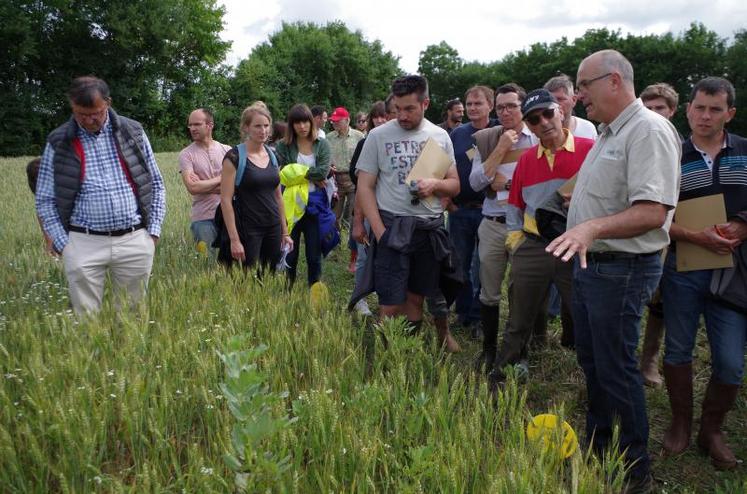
(339, 113)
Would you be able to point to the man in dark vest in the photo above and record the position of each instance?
(100, 197)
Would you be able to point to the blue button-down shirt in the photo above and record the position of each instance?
(106, 201)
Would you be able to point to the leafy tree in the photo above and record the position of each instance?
(736, 72)
(305, 62)
(147, 50)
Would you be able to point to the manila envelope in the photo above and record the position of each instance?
(567, 187)
(697, 214)
(433, 162)
(510, 157)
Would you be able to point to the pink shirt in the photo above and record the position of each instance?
(206, 164)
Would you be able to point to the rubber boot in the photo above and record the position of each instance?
(650, 351)
(444, 335)
(353, 258)
(489, 318)
(719, 399)
(679, 379)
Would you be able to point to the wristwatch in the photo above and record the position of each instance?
(507, 186)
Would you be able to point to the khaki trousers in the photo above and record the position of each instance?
(345, 199)
(493, 260)
(87, 258)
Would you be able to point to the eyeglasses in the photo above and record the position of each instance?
(585, 84)
(506, 107)
(91, 115)
(535, 118)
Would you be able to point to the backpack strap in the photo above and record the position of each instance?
(273, 158)
(242, 164)
(78, 150)
(242, 161)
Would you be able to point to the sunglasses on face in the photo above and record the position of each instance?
(534, 118)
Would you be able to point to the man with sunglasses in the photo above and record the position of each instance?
(539, 173)
(498, 150)
(100, 197)
(618, 224)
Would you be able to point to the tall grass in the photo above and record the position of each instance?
(136, 402)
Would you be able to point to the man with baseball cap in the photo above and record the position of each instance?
(539, 173)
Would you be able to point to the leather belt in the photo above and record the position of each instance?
(617, 256)
(497, 219)
(470, 205)
(113, 233)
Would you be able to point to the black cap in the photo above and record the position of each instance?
(537, 99)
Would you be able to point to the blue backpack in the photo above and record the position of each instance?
(242, 161)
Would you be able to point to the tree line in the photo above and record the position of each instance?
(680, 60)
(163, 58)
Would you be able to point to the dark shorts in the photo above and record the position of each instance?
(397, 272)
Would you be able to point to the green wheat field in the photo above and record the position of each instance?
(225, 383)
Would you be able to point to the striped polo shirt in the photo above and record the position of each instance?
(727, 174)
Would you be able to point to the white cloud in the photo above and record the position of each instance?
(483, 31)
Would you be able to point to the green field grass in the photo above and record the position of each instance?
(224, 380)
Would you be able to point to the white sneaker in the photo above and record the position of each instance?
(361, 307)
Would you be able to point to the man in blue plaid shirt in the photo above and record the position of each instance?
(101, 198)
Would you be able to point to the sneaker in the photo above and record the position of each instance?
(522, 370)
(361, 307)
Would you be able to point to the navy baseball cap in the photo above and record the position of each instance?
(539, 99)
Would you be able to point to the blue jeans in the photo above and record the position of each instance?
(205, 231)
(362, 254)
(463, 225)
(608, 302)
(309, 226)
(685, 298)
(553, 306)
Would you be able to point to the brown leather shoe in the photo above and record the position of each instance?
(719, 399)
(679, 379)
(650, 351)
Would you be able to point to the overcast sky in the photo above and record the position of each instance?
(484, 31)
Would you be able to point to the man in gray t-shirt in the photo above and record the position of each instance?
(405, 267)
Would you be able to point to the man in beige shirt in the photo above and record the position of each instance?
(342, 143)
(618, 224)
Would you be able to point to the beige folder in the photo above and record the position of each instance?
(568, 186)
(697, 214)
(433, 162)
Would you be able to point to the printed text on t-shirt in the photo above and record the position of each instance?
(402, 156)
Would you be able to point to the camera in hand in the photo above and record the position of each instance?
(413, 187)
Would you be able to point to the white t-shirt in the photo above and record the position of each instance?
(584, 128)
